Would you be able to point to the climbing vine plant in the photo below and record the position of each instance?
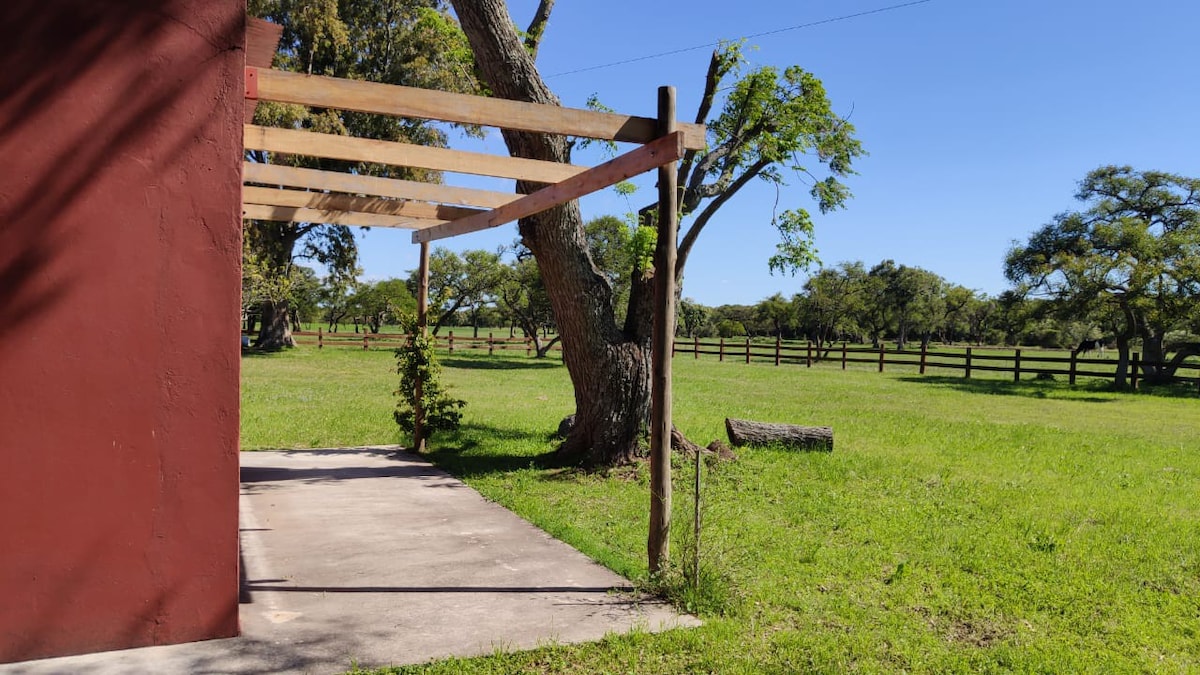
(416, 361)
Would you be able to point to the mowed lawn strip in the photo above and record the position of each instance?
(957, 526)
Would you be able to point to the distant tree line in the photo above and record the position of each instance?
(889, 303)
(1123, 271)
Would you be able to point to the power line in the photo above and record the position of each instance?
(706, 45)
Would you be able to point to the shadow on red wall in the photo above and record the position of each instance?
(120, 133)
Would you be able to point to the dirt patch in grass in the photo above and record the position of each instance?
(970, 632)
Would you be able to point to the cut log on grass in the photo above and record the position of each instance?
(747, 432)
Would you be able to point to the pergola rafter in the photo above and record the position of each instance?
(273, 192)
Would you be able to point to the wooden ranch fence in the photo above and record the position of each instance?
(450, 341)
(967, 361)
(1019, 363)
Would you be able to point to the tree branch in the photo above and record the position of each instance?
(689, 239)
(537, 27)
(711, 81)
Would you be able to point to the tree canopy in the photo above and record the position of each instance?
(1132, 252)
(406, 42)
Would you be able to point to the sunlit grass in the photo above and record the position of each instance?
(958, 526)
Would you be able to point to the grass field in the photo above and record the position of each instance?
(959, 526)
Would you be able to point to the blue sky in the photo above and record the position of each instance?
(979, 116)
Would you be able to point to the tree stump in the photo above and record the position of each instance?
(747, 432)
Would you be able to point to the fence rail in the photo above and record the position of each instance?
(450, 341)
(1020, 363)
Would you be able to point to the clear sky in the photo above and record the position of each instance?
(980, 116)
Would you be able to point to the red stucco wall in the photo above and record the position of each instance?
(120, 150)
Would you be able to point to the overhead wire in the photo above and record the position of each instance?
(707, 45)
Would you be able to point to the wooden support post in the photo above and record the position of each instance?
(968, 364)
(491, 344)
(320, 337)
(924, 349)
(777, 345)
(1134, 366)
(843, 354)
(528, 347)
(451, 341)
(721, 351)
(1017, 366)
(747, 349)
(366, 345)
(422, 321)
(808, 355)
(1072, 370)
(658, 545)
(695, 346)
(881, 348)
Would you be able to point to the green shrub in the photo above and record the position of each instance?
(415, 361)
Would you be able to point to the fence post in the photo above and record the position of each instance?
(968, 366)
(721, 353)
(673, 341)
(1133, 371)
(881, 348)
(451, 341)
(747, 349)
(695, 346)
(491, 344)
(843, 354)
(1072, 369)
(924, 349)
(320, 337)
(528, 347)
(365, 344)
(1017, 366)
(777, 341)
(808, 355)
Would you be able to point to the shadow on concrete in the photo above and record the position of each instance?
(253, 474)
(256, 586)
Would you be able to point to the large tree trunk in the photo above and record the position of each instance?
(276, 331)
(609, 366)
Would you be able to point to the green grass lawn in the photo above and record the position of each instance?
(959, 526)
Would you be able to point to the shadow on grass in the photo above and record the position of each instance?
(1029, 389)
(485, 362)
(1057, 389)
(250, 352)
(480, 450)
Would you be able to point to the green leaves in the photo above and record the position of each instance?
(416, 362)
(795, 250)
(771, 123)
(641, 248)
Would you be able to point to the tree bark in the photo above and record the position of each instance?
(276, 331)
(609, 367)
(747, 432)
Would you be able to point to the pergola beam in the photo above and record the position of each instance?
(331, 146)
(375, 186)
(324, 201)
(295, 214)
(388, 99)
(664, 150)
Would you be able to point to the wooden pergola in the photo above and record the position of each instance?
(434, 211)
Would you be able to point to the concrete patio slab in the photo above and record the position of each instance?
(372, 556)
